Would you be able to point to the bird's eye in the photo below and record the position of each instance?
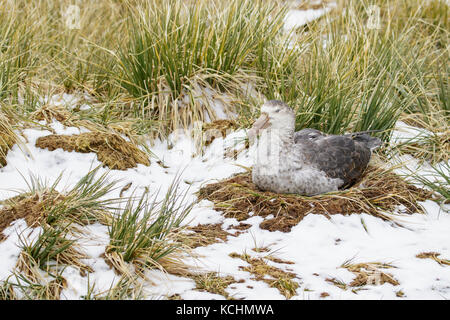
(278, 110)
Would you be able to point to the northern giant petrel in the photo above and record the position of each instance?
(307, 162)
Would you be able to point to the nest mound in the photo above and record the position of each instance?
(111, 149)
(378, 192)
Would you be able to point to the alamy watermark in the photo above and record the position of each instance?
(72, 17)
(374, 20)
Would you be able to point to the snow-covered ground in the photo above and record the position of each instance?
(317, 246)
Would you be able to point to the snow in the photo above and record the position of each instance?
(297, 18)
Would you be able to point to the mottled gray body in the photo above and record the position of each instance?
(308, 162)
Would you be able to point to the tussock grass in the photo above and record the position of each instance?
(17, 45)
(50, 250)
(177, 53)
(125, 288)
(48, 113)
(163, 66)
(433, 147)
(40, 288)
(60, 217)
(216, 129)
(43, 205)
(7, 138)
(141, 234)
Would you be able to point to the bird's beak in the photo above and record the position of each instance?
(261, 123)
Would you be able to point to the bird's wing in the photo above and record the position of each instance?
(366, 139)
(307, 134)
(339, 157)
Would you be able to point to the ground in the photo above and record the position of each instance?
(310, 261)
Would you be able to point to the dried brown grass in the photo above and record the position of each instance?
(32, 208)
(203, 235)
(217, 129)
(214, 283)
(111, 149)
(50, 112)
(7, 138)
(38, 286)
(433, 147)
(275, 277)
(370, 274)
(434, 256)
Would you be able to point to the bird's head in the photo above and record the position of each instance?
(275, 115)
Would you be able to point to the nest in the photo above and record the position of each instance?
(111, 149)
(380, 191)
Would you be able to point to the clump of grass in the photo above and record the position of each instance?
(86, 202)
(7, 291)
(125, 288)
(141, 233)
(7, 138)
(111, 149)
(350, 82)
(433, 147)
(35, 287)
(52, 249)
(213, 283)
(179, 55)
(43, 205)
(16, 50)
(274, 277)
(203, 235)
(59, 215)
(30, 206)
(379, 191)
(370, 274)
